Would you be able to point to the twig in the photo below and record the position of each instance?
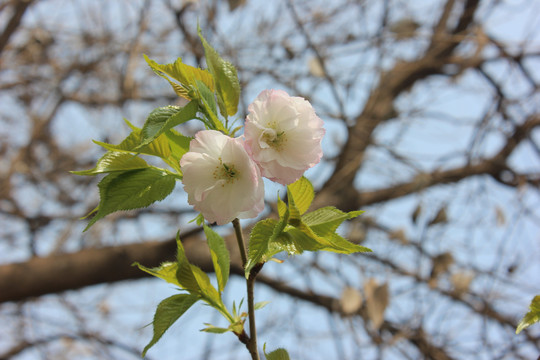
(251, 344)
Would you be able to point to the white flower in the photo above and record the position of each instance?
(221, 180)
(283, 135)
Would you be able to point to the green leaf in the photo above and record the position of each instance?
(285, 242)
(341, 245)
(186, 75)
(260, 305)
(214, 329)
(332, 242)
(282, 207)
(208, 104)
(179, 144)
(207, 291)
(196, 281)
(302, 192)
(325, 221)
(167, 312)
(278, 354)
(220, 256)
(158, 147)
(114, 161)
(184, 272)
(261, 235)
(294, 212)
(166, 271)
(533, 316)
(225, 78)
(208, 98)
(131, 190)
(163, 119)
(299, 241)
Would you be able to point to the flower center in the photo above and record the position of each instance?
(272, 138)
(225, 172)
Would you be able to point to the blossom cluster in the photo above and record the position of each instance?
(223, 175)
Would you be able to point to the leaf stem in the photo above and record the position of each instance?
(251, 344)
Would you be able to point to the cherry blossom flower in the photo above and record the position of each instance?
(221, 180)
(283, 135)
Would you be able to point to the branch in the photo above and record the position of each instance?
(379, 106)
(14, 22)
(495, 166)
(416, 337)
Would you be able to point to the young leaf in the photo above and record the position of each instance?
(167, 312)
(342, 245)
(261, 304)
(533, 316)
(163, 119)
(159, 147)
(278, 354)
(208, 292)
(220, 256)
(302, 193)
(208, 104)
(131, 190)
(285, 242)
(184, 272)
(186, 75)
(282, 207)
(214, 329)
(294, 212)
(225, 78)
(325, 221)
(196, 281)
(207, 97)
(166, 271)
(114, 161)
(261, 235)
(331, 242)
(179, 144)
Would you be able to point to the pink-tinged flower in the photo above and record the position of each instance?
(283, 135)
(221, 180)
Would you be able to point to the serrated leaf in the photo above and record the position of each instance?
(532, 317)
(186, 75)
(302, 193)
(162, 119)
(184, 273)
(114, 161)
(208, 103)
(284, 242)
(220, 256)
(259, 239)
(167, 312)
(278, 354)
(282, 207)
(132, 190)
(225, 78)
(208, 292)
(158, 147)
(294, 212)
(325, 221)
(301, 241)
(307, 240)
(194, 280)
(179, 144)
(166, 271)
(342, 245)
